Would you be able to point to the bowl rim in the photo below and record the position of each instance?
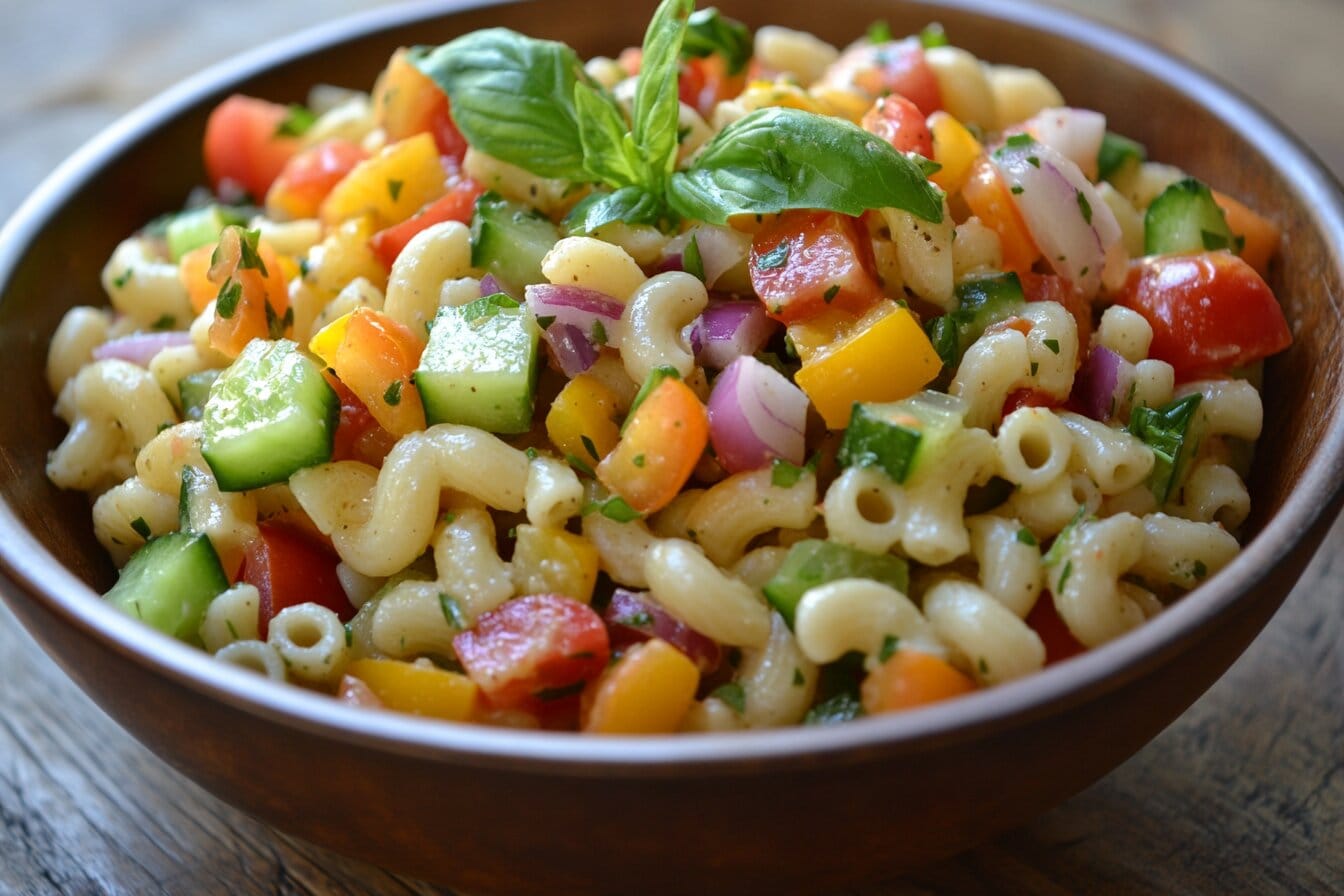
(29, 567)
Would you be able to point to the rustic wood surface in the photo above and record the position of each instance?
(1244, 794)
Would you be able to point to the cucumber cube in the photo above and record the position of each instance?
(813, 562)
(899, 436)
(169, 582)
(480, 367)
(269, 414)
(198, 227)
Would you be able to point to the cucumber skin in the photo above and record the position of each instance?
(983, 301)
(509, 240)
(245, 454)
(169, 583)
(461, 378)
(194, 391)
(874, 439)
(1185, 218)
(814, 562)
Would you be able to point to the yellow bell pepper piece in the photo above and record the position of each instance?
(955, 148)
(391, 186)
(648, 691)
(884, 359)
(417, 688)
(553, 561)
(327, 341)
(812, 336)
(584, 407)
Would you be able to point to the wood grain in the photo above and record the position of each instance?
(1245, 793)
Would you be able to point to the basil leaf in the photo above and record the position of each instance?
(633, 205)
(513, 98)
(776, 159)
(708, 32)
(657, 107)
(608, 153)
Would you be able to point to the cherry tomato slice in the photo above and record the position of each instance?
(805, 262)
(1209, 312)
(534, 650)
(288, 567)
(242, 144)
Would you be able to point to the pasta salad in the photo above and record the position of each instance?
(738, 381)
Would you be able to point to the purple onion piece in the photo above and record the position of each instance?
(140, 348)
(729, 330)
(490, 285)
(572, 350)
(634, 617)
(1103, 383)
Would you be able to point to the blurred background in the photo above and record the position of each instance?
(1184, 815)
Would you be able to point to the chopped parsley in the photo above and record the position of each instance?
(141, 527)
(830, 293)
(1085, 207)
(890, 643)
(1024, 536)
(452, 611)
(296, 122)
(784, 474)
(230, 293)
(590, 447)
(732, 694)
(394, 189)
(1052, 344)
(599, 333)
(775, 258)
(691, 260)
(393, 394)
(123, 278)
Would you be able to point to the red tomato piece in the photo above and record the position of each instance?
(1029, 398)
(899, 122)
(900, 67)
(1044, 619)
(1053, 288)
(309, 176)
(458, 204)
(805, 262)
(242, 144)
(288, 567)
(408, 102)
(703, 82)
(358, 435)
(533, 651)
(1209, 312)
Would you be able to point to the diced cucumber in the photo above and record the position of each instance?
(1117, 151)
(1185, 218)
(814, 562)
(982, 302)
(900, 436)
(194, 390)
(1171, 433)
(169, 582)
(269, 414)
(193, 508)
(198, 227)
(480, 367)
(509, 240)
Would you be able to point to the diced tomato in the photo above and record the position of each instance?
(899, 122)
(1053, 288)
(534, 650)
(458, 204)
(376, 357)
(631, 60)
(898, 67)
(909, 679)
(989, 200)
(288, 567)
(242, 144)
(1028, 398)
(407, 102)
(663, 440)
(258, 294)
(358, 435)
(309, 176)
(805, 262)
(704, 82)
(1044, 619)
(1209, 312)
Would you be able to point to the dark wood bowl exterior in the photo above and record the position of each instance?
(781, 812)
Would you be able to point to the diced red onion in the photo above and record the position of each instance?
(673, 261)
(354, 692)
(490, 286)
(572, 349)
(1075, 133)
(578, 307)
(1071, 224)
(755, 416)
(1103, 383)
(728, 330)
(633, 617)
(140, 348)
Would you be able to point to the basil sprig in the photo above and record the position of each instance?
(779, 158)
(513, 98)
(529, 102)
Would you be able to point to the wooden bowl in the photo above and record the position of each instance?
(493, 811)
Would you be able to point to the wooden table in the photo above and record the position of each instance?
(1245, 793)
